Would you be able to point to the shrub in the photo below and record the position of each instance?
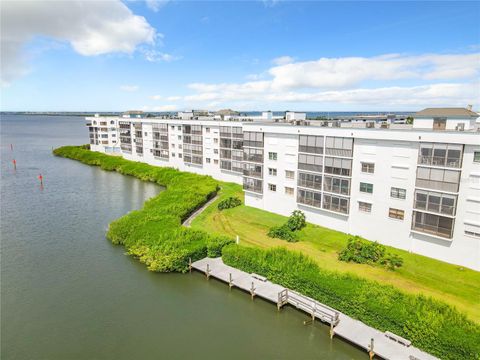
(282, 232)
(229, 203)
(431, 325)
(367, 252)
(295, 222)
(154, 234)
(216, 244)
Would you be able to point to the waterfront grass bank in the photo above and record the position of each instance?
(154, 234)
(452, 284)
(430, 324)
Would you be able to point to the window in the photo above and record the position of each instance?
(272, 172)
(253, 139)
(179, 128)
(272, 187)
(215, 151)
(364, 206)
(311, 181)
(366, 187)
(207, 160)
(435, 202)
(180, 156)
(173, 146)
(310, 162)
(338, 166)
(173, 127)
(179, 146)
(336, 185)
(472, 233)
(398, 193)
(253, 155)
(272, 156)
(339, 146)
(437, 154)
(254, 170)
(438, 179)
(289, 191)
(476, 156)
(310, 144)
(173, 154)
(335, 203)
(368, 167)
(215, 161)
(255, 185)
(289, 174)
(207, 130)
(309, 197)
(396, 213)
(433, 224)
(113, 122)
(215, 140)
(179, 137)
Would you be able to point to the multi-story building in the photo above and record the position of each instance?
(415, 187)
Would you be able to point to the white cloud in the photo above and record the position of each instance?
(338, 73)
(383, 81)
(156, 97)
(129, 88)
(90, 27)
(157, 56)
(156, 5)
(283, 60)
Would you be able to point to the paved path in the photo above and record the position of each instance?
(189, 220)
(345, 327)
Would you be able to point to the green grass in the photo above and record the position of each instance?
(452, 284)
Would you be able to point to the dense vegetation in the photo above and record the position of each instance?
(431, 325)
(229, 203)
(154, 234)
(296, 221)
(368, 252)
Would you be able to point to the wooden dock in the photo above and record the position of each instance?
(341, 325)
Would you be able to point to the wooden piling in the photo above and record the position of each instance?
(252, 290)
(230, 281)
(190, 264)
(371, 353)
(207, 272)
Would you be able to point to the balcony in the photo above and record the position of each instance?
(439, 161)
(436, 208)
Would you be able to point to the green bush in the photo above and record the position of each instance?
(295, 222)
(431, 325)
(229, 203)
(282, 232)
(154, 234)
(367, 252)
(216, 244)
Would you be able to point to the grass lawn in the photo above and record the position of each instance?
(454, 285)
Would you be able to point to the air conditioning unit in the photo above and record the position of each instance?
(460, 127)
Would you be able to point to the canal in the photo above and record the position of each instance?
(68, 293)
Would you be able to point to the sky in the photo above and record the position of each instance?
(245, 55)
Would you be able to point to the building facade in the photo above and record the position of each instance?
(415, 188)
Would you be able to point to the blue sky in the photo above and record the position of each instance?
(245, 55)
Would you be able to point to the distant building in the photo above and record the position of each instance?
(415, 187)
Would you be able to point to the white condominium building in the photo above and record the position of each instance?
(414, 187)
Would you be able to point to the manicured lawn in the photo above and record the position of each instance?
(457, 286)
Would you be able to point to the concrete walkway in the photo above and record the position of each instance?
(189, 220)
(344, 326)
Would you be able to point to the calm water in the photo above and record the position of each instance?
(67, 293)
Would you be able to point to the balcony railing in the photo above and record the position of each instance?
(437, 208)
(309, 201)
(439, 161)
(436, 185)
(434, 230)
